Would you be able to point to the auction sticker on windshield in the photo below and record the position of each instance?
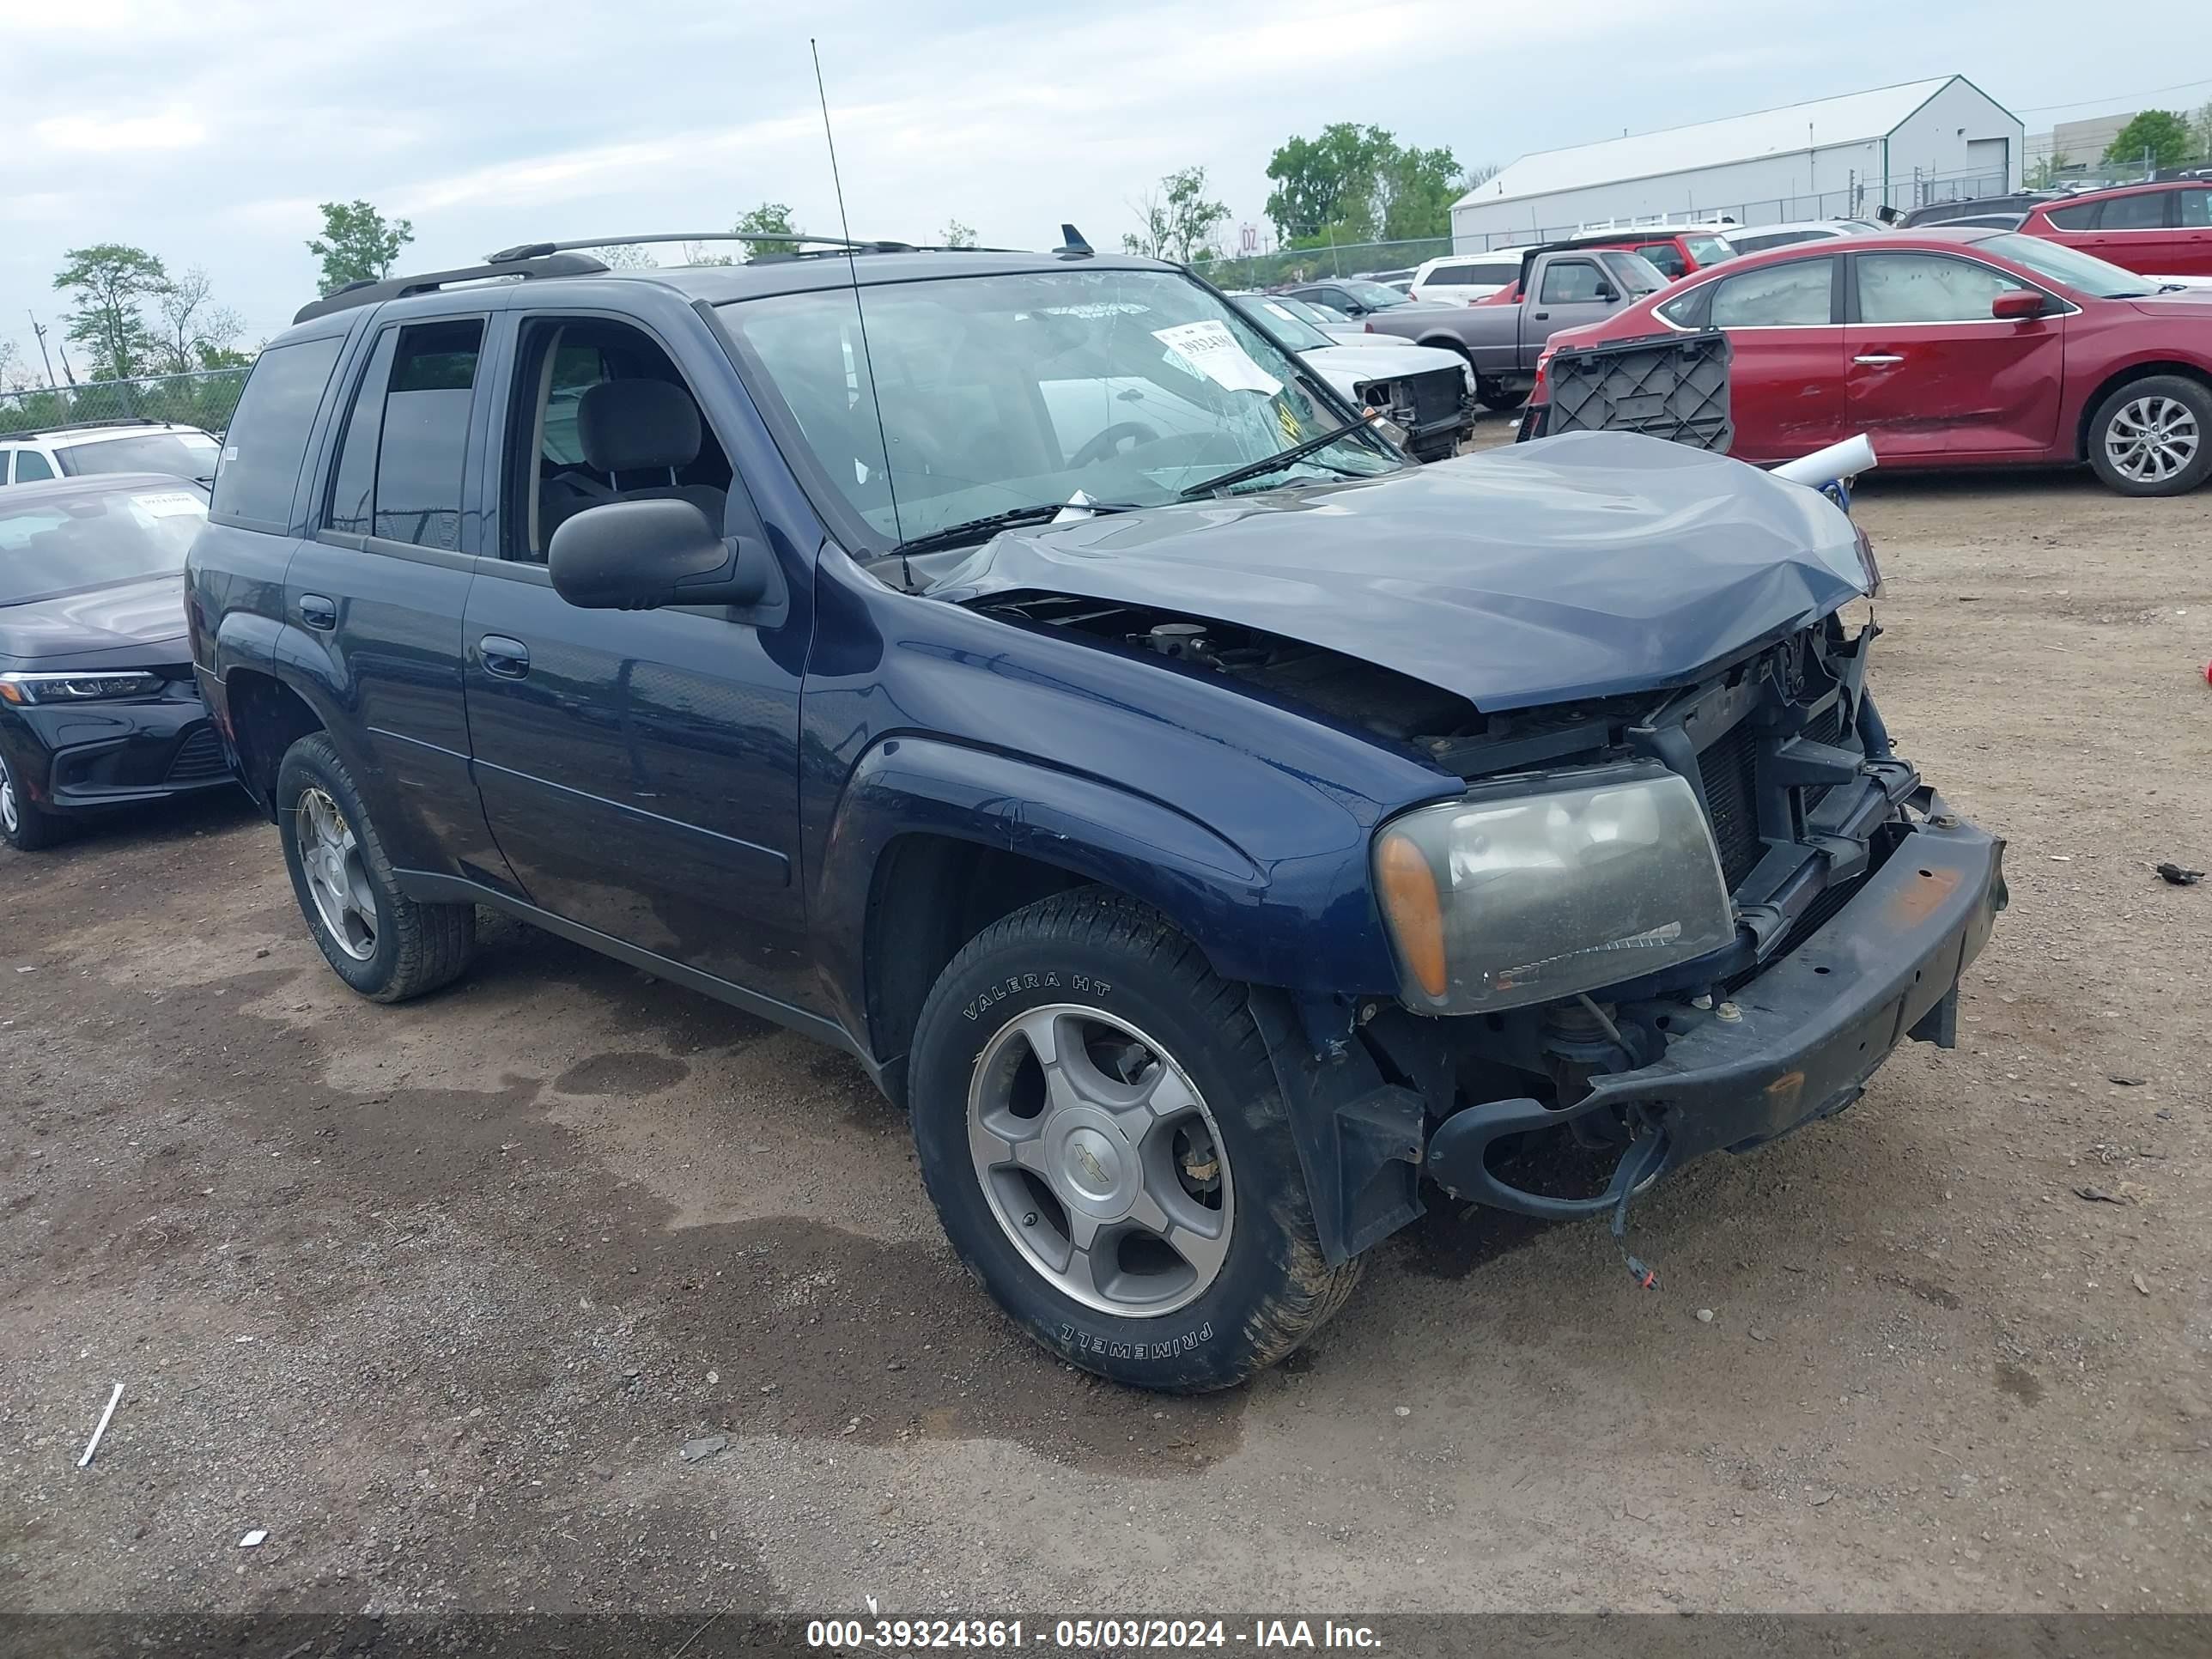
(168, 503)
(1212, 349)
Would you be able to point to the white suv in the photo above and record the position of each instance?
(68, 451)
(1463, 278)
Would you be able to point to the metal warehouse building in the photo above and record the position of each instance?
(1901, 146)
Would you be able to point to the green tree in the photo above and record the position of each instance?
(1333, 179)
(767, 220)
(2047, 169)
(625, 256)
(111, 282)
(1416, 189)
(2200, 134)
(955, 234)
(2160, 132)
(195, 332)
(358, 243)
(1178, 219)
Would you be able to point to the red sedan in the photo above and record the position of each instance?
(1950, 349)
(2162, 230)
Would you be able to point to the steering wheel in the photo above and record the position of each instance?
(1108, 442)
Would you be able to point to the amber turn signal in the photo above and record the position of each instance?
(1417, 917)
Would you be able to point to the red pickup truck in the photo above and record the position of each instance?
(1949, 349)
(1673, 252)
(2161, 230)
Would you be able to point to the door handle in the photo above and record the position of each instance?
(318, 612)
(1541, 316)
(508, 659)
(1878, 358)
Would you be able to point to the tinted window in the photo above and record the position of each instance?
(1671, 263)
(1494, 276)
(1571, 281)
(1633, 273)
(181, 455)
(91, 541)
(2196, 208)
(1773, 239)
(30, 466)
(268, 434)
(2082, 215)
(1927, 288)
(399, 469)
(1794, 294)
(2144, 212)
(1452, 276)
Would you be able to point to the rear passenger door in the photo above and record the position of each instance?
(1786, 345)
(373, 597)
(639, 769)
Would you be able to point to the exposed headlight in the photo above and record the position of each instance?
(75, 688)
(1528, 891)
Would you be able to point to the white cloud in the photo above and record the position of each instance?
(103, 134)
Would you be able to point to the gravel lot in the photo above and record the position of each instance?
(438, 1295)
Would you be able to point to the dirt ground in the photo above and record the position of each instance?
(438, 1295)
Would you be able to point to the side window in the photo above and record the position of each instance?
(1794, 294)
(2143, 212)
(1668, 257)
(600, 413)
(1450, 276)
(406, 441)
(1570, 281)
(1495, 276)
(267, 438)
(2195, 208)
(30, 466)
(1927, 288)
(2082, 216)
(1690, 309)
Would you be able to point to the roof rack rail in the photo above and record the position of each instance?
(818, 247)
(526, 262)
(77, 426)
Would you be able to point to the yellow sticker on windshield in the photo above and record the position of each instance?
(1287, 418)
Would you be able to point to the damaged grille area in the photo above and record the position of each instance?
(1728, 771)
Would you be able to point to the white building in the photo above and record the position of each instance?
(1901, 146)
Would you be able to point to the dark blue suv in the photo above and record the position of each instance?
(1023, 672)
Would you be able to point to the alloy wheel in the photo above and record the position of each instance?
(329, 855)
(1101, 1161)
(8, 808)
(2151, 439)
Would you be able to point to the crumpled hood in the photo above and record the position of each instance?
(1580, 565)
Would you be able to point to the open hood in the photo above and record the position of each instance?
(1581, 566)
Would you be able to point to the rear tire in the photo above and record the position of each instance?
(1497, 399)
(2154, 436)
(24, 825)
(377, 939)
(1141, 1026)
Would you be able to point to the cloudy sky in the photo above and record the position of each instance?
(206, 132)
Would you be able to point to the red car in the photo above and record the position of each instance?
(1949, 349)
(1676, 253)
(2161, 230)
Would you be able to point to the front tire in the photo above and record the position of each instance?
(1099, 1127)
(377, 939)
(24, 825)
(2154, 436)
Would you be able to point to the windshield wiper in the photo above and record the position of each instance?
(1274, 462)
(968, 530)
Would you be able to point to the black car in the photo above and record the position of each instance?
(1950, 213)
(98, 709)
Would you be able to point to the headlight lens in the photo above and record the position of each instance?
(1528, 892)
(75, 688)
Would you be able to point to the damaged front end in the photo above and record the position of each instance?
(1556, 1083)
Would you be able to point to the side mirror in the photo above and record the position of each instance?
(2017, 304)
(1607, 293)
(635, 556)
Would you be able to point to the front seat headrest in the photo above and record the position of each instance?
(628, 425)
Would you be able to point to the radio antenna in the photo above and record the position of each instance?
(852, 265)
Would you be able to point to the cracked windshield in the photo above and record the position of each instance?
(999, 393)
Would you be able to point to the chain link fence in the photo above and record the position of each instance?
(205, 399)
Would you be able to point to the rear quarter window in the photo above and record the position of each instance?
(2082, 215)
(267, 438)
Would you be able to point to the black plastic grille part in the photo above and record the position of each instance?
(1728, 770)
(197, 759)
(1436, 395)
(1675, 386)
(1827, 726)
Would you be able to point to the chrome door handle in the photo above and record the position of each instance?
(1877, 357)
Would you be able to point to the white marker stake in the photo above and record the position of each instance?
(101, 1428)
